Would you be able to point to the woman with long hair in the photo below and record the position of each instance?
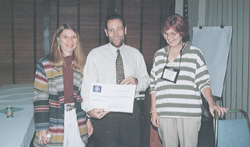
(59, 118)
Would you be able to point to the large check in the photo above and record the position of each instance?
(111, 97)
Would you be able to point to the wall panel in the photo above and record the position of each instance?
(38, 48)
(6, 72)
(246, 57)
(132, 16)
(151, 29)
(23, 40)
(90, 32)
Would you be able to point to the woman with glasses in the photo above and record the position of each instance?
(178, 77)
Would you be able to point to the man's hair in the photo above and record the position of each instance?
(114, 16)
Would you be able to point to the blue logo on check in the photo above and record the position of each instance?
(97, 88)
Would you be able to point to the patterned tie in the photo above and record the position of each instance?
(119, 68)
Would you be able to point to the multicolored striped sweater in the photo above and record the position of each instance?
(49, 102)
(183, 98)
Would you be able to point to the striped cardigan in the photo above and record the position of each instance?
(49, 102)
(183, 98)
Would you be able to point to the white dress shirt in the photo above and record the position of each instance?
(101, 68)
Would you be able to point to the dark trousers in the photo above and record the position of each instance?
(118, 129)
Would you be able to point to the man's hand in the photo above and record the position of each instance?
(129, 81)
(97, 113)
(90, 128)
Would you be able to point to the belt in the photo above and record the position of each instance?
(69, 106)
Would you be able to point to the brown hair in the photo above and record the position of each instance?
(177, 23)
(55, 55)
(112, 17)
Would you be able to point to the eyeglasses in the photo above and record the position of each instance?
(169, 34)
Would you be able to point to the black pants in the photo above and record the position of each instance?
(118, 129)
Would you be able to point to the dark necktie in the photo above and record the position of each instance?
(119, 68)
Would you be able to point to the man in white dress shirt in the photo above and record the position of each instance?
(114, 129)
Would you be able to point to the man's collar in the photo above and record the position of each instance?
(114, 49)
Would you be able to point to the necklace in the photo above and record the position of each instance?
(180, 51)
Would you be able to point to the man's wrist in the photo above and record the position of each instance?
(88, 114)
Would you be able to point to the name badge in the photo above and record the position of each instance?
(170, 74)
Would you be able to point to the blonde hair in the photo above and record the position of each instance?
(55, 55)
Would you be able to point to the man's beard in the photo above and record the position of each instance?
(119, 44)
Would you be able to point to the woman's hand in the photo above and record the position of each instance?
(207, 93)
(42, 138)
(155, 119)
(90, 128)
(220, 110)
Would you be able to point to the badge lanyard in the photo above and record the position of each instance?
(169, 73)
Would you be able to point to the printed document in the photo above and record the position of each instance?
(111, 97)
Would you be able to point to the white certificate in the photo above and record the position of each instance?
(111, 97)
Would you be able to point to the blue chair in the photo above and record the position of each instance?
(232, 132)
